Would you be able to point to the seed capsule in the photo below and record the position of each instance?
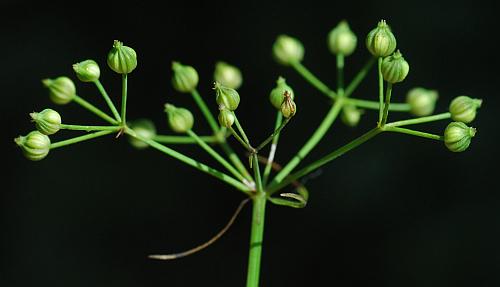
(287, 50)
(351, 115)
(395, 68)
(47, 122)
(288, 107)
(61, 90)
(122, 59)
(226, 97)
(228, 75)
(457, 136)
(422, 101)
(381, 41)
(185, 78)
(35, 145)
(277, 95)
(341, 40)
(226, 118)
(144, 128)
(87, 71)
(180, 120)
(464, 109)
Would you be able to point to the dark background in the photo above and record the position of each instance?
(399, 211)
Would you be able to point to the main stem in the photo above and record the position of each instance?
(257, 232)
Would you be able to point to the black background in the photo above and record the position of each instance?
(399, 211)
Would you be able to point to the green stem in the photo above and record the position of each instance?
(257, 231)
(236, 161)
(191, 162)
(107, 99)
(215, 128)
(272, 152)
(94, 110)
(215, 155)
(273, 135)
(205, 111)
(413, 133)
(124, 99)
(183, 139)
(340, 75)
(387, 103)
(81, 138)
(306, 74)
(240, 140)
(419, 120)
(312, 142)
(89, 128)
(380, 91)
(359, 77)
(396, 107)
(324, 160)
(240, 129)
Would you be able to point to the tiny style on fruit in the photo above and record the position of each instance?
(258, 178)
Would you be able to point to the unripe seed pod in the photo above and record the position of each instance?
(288, 107)
(47, 122)
(464, 109)
(61, 90)
(185, 78)
(144, 128)
(122, 59)
(228, 75)
(180, 120)
(351, 115)
(226, 97)
(422, 101)
(226, 118)
(341, 40)
(287, 50)
(35, 145)
(277, 95)
(87, 71)
(395, 68)
(380, 41)
(457, 136)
